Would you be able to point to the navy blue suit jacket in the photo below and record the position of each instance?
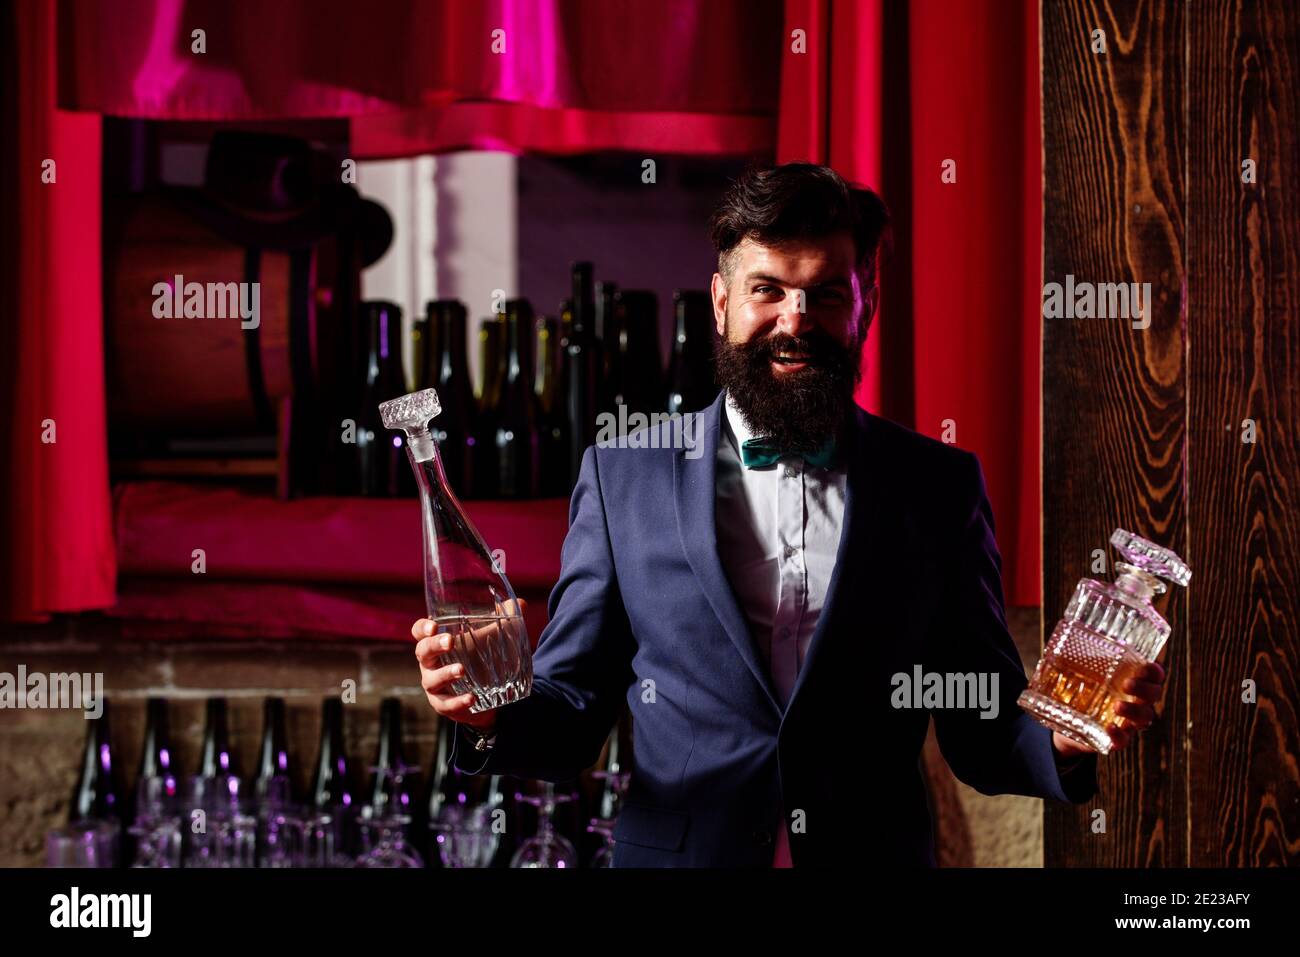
(643, 613)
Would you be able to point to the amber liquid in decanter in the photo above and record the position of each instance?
(1108, 633)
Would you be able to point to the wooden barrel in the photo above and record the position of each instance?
(190, 376)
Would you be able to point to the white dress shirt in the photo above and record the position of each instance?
(778, 534)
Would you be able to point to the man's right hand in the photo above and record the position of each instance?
(437, 678)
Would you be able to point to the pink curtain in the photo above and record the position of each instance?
(555, 76)
(888, 93)
(58, 553)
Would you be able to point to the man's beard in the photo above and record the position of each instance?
(798, 411)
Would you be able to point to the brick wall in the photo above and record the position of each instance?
(40, 750)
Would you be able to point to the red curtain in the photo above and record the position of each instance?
(556, 76)
(58, 553)
(888, 93)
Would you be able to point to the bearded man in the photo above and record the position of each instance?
(754, 605)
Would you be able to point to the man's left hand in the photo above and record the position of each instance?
(1145, 686)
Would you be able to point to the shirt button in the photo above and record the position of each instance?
(789, 551)
(789, 471)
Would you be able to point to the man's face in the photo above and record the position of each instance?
(800, 288)
(792, 319)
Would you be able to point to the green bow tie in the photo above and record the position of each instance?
(759, 454)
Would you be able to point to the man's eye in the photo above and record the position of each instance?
(765, 290)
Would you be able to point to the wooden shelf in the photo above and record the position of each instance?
(303, 568)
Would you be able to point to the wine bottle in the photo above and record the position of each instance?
(423, 345)
(380, 457)
(97, 794)
(442, 790)
(553, 426)
(448, 786)
(447, 372)
(691, 386)
(156, 755)
(609, 342)
(217, 758)
(581, 369)
(500, 798)
(332, 783)
(506, 452)
(604, 329)
(390, 760)
(546, 367)
(441, 774)
(273, 756)
(642, 383)
(492, 359)
(615, 767)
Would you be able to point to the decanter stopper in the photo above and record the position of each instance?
(1150, 557)
(412, 413)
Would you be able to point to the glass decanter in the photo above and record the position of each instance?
(1108, 633)
(466, 594)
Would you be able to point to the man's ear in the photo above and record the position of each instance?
(870, 302)
(718, 292)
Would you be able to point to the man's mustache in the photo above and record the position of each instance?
(817, 348)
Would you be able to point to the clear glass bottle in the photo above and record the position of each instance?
(1108, 632)
(466, 593)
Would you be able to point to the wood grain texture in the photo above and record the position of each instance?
(1114, 406)
(1243, 265)
(1143, 147)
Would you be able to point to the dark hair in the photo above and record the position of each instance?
(798, 201)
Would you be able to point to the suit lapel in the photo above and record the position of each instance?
(695, 494)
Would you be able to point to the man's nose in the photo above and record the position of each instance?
(793, 319)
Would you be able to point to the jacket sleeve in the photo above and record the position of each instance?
(1010, 752)
(583, 663)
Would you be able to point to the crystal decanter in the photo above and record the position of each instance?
(1108, 633)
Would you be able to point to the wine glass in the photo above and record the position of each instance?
(280, 824)
(91, 842)
(385, 835)
(157, 824)
(603, 826)
(464, 835)
(616, 783)
(202, 815)
(548, 847)
(221, 832)
(322, 839)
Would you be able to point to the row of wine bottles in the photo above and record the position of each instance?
(337, 786)
(545, 380)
